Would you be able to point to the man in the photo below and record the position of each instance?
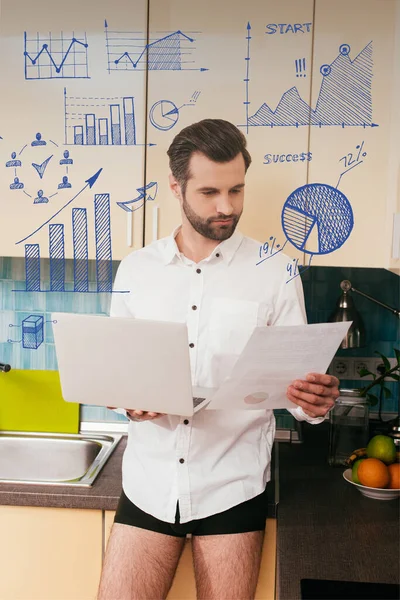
(207, 474)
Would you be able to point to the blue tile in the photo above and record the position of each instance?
(5, 267)
(51, 358)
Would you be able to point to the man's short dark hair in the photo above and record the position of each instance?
(217, 139)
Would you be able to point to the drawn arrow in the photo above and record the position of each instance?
(41, 168)
(143, 195)
(89, 182)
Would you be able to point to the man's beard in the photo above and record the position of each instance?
(206, 228)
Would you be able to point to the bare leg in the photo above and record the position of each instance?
(227, 566)
(139, 564)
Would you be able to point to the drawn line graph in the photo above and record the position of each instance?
(344, 98)
(56, 57)
(130, 51)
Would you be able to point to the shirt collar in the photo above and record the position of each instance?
(226, 249)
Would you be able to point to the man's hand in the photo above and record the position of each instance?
(140, 415)
(316, 395)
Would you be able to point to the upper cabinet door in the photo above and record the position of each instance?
(72, 110)
(245, 62)
(354, 133)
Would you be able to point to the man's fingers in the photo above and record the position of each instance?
(309, 409)
(316, 388)
(323, 379)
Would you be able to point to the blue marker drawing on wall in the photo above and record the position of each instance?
(344, 98)
(316, 218)
(130, 51)
(33, 147)
(32, 329)
(42, 167)
(80, 243)
(100, 121)
(164, 114)
(62, 57)
(14, 162)
(143, 197)
(17, 184)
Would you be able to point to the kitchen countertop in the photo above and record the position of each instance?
(103, 495)
(326, 528)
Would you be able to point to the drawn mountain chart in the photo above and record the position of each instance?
(344, 98)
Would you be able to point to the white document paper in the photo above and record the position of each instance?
(272, 359)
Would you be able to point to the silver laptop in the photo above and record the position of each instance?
(126, 363)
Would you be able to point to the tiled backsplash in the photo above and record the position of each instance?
(322, 290)
(15, 306)
(321, 287)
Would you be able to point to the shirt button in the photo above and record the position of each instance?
(198, 270)
(191, 345)
(181, 460)
(194, 307)
(217, 255)
(186, 422)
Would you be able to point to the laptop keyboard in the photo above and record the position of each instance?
(196, 401)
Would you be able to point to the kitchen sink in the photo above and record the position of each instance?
(54, 458)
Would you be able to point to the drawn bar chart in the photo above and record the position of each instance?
(102, 230)
(106, 121)
(56, 57)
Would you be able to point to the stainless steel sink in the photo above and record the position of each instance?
(54, 458)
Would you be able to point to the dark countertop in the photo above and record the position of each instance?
(326, 528)
(103, 495)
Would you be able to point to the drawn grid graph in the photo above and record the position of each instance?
(99, 120)
(165, 51)
(344, 98)
(60, 57)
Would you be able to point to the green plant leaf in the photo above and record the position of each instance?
(395, 377)
(372, 399)
(397, 353)
(365, 372)
(387, 392)
(384, 359)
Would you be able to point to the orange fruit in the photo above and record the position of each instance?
(373, 473)
(383, 448)
(394, 476)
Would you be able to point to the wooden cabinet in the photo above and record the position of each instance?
(322, 129)
(315, 90)
(50, 553)
(57, 554)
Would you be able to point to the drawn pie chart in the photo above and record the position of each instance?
(317, 218)
(164, 114)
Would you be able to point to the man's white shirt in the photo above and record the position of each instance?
(217, 458)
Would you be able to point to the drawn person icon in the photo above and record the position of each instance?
(64, 184)
(38, 140)
(66, 160)
(13, 162)
(40, 198)
(17, 185)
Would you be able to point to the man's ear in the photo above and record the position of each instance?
(174, 186)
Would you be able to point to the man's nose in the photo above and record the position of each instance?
(224, 205)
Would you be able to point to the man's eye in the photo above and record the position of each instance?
(236, 191)
(208, 193)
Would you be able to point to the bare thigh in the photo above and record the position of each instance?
(227, 566)
(139, 564)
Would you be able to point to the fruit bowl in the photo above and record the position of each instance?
(370, 492)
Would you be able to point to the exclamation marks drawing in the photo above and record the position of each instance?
(300, 64)
(194, 97)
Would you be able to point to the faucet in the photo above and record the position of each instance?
(5, 368)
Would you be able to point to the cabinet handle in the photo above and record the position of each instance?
(129, 232)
